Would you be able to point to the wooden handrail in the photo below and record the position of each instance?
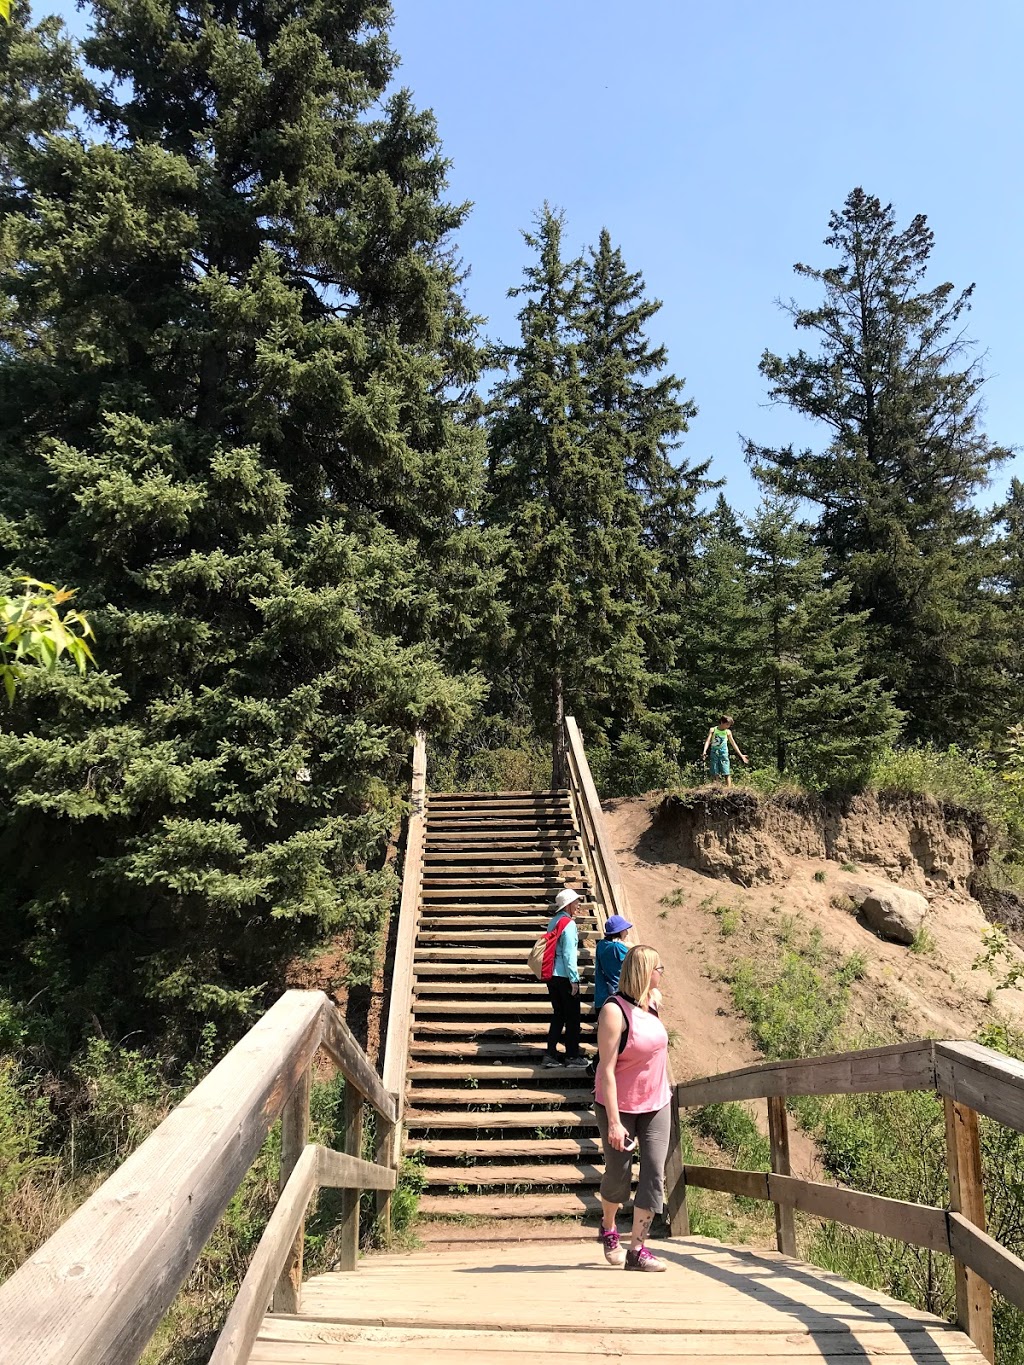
(971, 1079)
(396, 1044)
(95, 1292)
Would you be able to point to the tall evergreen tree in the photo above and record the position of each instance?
(596, 514)
(892, 382)
(637, 419)
(231, 336)
(816, 712)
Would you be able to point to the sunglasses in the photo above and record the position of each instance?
(659, 968)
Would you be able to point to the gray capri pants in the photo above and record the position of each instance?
(652, 1132)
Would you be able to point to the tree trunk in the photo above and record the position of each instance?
(558, 774)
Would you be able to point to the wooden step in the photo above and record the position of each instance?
(421, 1095)
(443, 1148)
(490, 1073)
(490, 936)
(441, 842)
(492, 1029)
(448, 988)
(505, 970)
(475, 894)
(530, 1118)
(511, 953)
(552, 792)
(510, 1205)
(477, 1176)
(527, 1052)
(482, 1007)
(499, 918)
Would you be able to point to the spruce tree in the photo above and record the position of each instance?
(891, 379)
(232, 338)
(817, 713)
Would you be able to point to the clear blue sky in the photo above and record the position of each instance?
(713, 140)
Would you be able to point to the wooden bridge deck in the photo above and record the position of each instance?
(560, 1301)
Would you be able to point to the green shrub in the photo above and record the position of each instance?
(733, 1127)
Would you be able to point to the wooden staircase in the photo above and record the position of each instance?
(498, 1134)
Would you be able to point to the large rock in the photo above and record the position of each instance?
(894, 913)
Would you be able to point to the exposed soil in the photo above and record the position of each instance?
(667, 851)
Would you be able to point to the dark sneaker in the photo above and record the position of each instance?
(643, 1260)
(577, 1063)
(550, 1060)
(614, 1254)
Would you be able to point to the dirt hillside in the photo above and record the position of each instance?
(709, 877)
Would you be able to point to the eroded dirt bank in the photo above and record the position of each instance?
(912, 841)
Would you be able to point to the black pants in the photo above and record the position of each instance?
(566, 1007)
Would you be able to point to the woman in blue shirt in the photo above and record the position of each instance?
(610, 955)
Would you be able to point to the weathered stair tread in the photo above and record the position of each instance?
(571, 1095)
(534, 1118)
(481, 1007)
(487, 1071)
(498, 1147)
(473, 1176)
(492, 1027)
(442, 988)
(511, 1205)
(511, 1048)
(462, 969)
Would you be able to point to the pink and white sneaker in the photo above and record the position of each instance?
(643, 1260)
(614, 1254)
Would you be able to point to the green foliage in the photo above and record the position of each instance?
(733, 1127)
(795, 1005)
(32, 628)
(899, 479)
(237, 411)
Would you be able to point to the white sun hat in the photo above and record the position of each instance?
(565, 898)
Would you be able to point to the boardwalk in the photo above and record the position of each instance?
(560, 1302)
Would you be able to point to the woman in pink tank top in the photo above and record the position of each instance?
(633, 1105)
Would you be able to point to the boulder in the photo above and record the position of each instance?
(894, 913)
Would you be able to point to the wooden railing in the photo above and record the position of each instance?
(971, 1080)
(396, 1045)
(96, 1291)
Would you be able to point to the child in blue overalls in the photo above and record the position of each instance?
(718, 741)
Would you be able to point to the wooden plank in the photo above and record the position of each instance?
(348, 1222)
(108, 1275)
(676, 1211)
(778, 1135)
(294, 1139)
(996, 1265)
(548, 1118)
(902, 1066)
(492, 1071)
(482, 1007)
(522, 1173)
(354, 1064)
(497, 1147)
(914, 1223)
(751, 1184)
(983, 1079)
(509, 1205)
(243, 1321)
(340, 1171)
(570, 1095)
(966, 1198)
(519, 1049)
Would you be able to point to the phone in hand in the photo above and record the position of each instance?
(629, 1145)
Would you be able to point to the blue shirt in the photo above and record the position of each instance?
(610, 955)
(566, 949)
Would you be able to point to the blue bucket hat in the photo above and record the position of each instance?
(615, 924)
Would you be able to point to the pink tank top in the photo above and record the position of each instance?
(641, 1070)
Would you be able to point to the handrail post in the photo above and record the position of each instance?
(294, 1137)
(778, 1136)
(399, 1027)
(966, 1197)
(353, 1144)
(676, 1211)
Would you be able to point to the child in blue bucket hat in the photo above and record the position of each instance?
(608, 960)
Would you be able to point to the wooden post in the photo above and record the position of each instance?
(966, 1197)
(385, 1153)
(294, 1137)
(349, 1224)
(676, 1212)
(778, 1134)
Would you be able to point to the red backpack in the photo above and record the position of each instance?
(542, 954)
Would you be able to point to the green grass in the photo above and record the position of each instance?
(820, 875)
